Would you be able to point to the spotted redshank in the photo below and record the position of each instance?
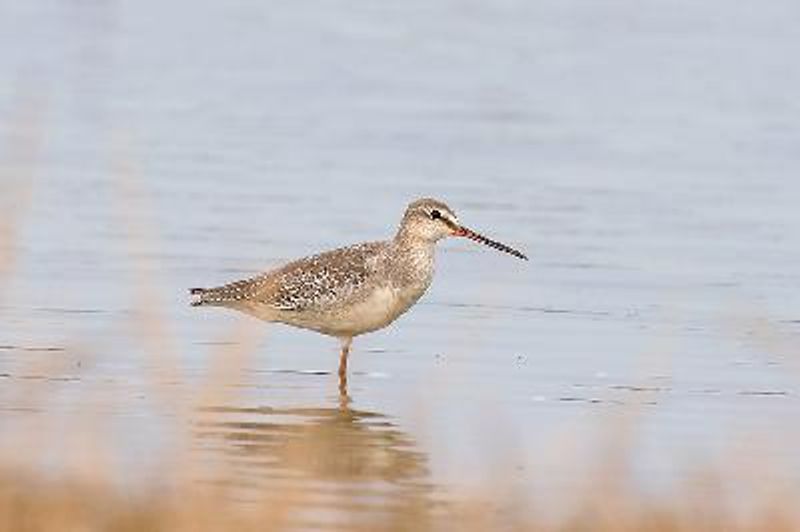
(353, 290)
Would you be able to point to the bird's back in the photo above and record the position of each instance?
(313, 284)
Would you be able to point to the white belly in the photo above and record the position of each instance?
(377, 310)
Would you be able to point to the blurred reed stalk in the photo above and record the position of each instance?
(18, 167)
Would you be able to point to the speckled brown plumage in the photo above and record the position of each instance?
(309, 283)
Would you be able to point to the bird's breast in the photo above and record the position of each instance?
(376, 309)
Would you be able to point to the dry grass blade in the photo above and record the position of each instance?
(21, 161)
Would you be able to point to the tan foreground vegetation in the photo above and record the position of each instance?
(29, 504)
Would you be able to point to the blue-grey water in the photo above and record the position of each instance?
(644, 154)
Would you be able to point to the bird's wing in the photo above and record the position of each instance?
(324, 280)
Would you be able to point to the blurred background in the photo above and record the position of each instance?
(644, 155)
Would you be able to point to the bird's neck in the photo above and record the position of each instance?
(408, 243)
(414, 256)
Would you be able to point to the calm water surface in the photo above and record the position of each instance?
(644, 156)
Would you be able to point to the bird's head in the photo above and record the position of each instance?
(431, 220)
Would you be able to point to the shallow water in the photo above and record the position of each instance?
(645, 157)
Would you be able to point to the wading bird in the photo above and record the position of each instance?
(353, 290)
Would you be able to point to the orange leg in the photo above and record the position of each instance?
(343, 366)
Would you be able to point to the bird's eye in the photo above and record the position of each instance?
(435, 214)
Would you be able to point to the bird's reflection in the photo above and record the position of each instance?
(317, 452)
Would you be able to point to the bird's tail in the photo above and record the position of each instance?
(218, 296)
(199, 296)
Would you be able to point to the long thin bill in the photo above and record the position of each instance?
(472, 235)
